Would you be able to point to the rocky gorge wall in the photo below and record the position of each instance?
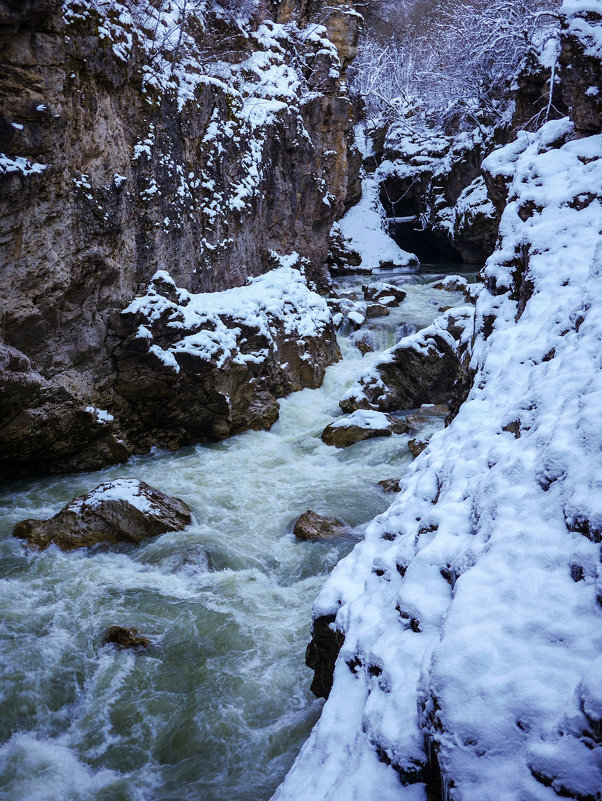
(132, 141)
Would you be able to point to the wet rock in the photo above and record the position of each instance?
(364, 347)
(46, 427)
(420, 369)
(377, 310)
(390, 485)
(456, 283)
(126, 638)
(385, 294)
(322, 652)
(124, 510)
(313, 526)
(417, 445)
(361, 425)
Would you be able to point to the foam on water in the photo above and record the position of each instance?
(219, 705)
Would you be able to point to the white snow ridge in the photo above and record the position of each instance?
(472, 612)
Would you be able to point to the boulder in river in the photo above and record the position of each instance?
(124, 510)
(377, 310)
(417, 445)
(126, 638)
(386, 294)
(389, 485)
(361, 425)
(313, 526)
(421, 368)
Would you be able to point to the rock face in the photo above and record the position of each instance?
(433, 192)
(155, 161)
(362, 425)
(125, 510)
(421, 368)
(313, 526)
(582, 67)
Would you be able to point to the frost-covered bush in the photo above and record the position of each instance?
(453, 61)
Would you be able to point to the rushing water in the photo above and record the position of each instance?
(219, 705)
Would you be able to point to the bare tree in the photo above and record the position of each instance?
(454, 60)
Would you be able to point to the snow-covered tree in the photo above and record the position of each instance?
(455, 60)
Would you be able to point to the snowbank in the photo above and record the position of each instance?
(472, 610)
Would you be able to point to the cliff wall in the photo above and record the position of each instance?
(204, 139)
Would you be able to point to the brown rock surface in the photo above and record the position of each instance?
(111, 176)
(313, 526)
(124, 510)
(126, 638)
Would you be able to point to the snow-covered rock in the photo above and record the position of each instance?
(361, 425)
(468, 622)
(208, 365)
(124, 510)
(420, 368)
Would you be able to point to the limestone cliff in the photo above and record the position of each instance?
(205, 139)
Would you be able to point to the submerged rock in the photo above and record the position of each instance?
(126, 638)
(362, 425)
(389, 485)
(124, 510)
(313, 526)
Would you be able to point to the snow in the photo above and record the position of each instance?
(363, 226)
(489, 644)
(101, 414)
(584, 22)
(367, 419)
(279, 298)
(19, 164)
(120, 489)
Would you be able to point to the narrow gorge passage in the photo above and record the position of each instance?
(219, 705)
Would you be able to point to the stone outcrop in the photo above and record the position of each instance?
(200, 367)
(122, 154)
(420, 369)
(433, 193)
(361, 425)
(313, 526)
(581, 82)
(125, 510)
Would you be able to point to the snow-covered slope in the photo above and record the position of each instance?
(472, 612)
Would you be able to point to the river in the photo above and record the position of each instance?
(219, 705)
